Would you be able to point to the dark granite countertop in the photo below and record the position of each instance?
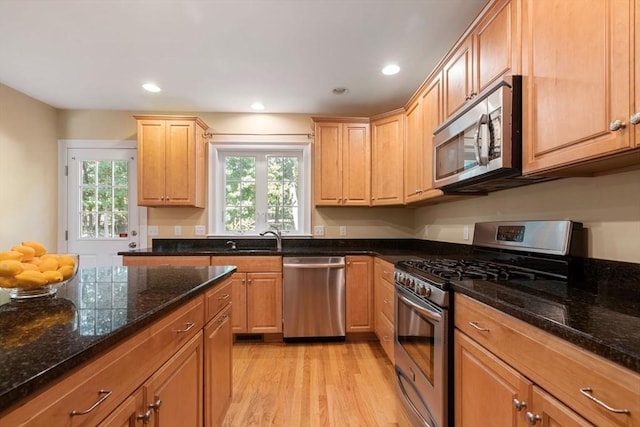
(44, 338)
(600, 314)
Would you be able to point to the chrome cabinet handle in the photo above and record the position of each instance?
(156, 405)
(144, 417)
(519, 405)
(634, 119)
(586, 391)
(224, 297)
(616, 125)
(105, 395)
(533, 418)
(189, 326)
(478, 327)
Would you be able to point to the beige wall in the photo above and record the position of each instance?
(608, 206)
(28, 170)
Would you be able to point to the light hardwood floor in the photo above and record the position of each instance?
(313, 384)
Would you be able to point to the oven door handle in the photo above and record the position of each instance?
(428, 313)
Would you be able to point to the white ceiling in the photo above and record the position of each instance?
(222, 55)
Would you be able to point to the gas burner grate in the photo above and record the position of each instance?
(459, 269)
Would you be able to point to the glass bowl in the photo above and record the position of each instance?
(22, 292)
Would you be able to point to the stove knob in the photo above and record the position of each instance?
(421, 290)
(411, 283)
(427, 291)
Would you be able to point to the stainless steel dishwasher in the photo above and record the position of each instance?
(313, 297)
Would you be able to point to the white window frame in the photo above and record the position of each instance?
(267, 145)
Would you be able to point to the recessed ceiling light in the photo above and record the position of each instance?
(257, 106)
(151, 87)
(390, 70)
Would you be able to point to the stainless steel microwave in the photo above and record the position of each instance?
(480, 149)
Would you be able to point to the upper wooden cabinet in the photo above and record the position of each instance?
(488, 51)
(171, 161)
(578, 94)
(342, 162)
(422, 117)
(387, 159)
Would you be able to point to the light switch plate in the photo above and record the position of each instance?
(318, 230)
(177, 230)
(465, 232)
(200, 230)
(152, 230)
(343, 230)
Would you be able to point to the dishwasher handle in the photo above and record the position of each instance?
(314, 266)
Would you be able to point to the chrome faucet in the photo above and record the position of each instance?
(276, 233)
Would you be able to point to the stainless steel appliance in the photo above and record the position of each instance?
(542, 255)
(480, 149)
(313, 297)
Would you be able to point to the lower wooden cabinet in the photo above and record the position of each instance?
(509, 373)
(359, 294)
(384, 291)
(217, 368)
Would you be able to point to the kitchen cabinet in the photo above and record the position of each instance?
(512, 373)
(174, 260)
(422, 118)
(171, 161)
(384, 291)
(387, 148)
(256, 293)
(486, 52)
(218, 341)
(359, 294)
(578, 91)
(342, 162)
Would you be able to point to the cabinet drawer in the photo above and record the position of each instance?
(247, 264)
(384, 329)
(386, 296)
(385, 270)
(177, 328)
(217, 299)
(559, 367)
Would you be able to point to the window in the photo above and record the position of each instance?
(258, 187)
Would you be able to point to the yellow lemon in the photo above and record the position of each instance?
(8, 282)
(45, 256)
(53, 276)
(66, 260)
(15, 255)
(30, 266)
(10, 268)
(66, 271)
(37, 247)
(27, 251)
(31, 279)
(49, 264)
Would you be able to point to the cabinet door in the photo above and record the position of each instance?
(546, 411)
(457, 74)
(432, 117)
(413, 147)
(359, 294)
(356, 164)
(387, 161)
(264, 302)
(576, 56)
(175, 390)
(495, 44)
(151, 162)
(217, 368)
(486, 388)
(635, 116)
(239, 298)
(129, 413)
(180, 162)
(327, 175)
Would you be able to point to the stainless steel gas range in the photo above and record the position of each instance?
(539, 254)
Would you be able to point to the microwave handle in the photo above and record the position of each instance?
(484, 120)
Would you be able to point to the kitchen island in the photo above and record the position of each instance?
(121, 322)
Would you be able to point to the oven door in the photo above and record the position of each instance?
(421, 344)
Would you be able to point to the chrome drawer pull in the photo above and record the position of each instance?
(189, 325)
(144, 417)
(586, 391)
(224, 297)
(106, 394)
(476, 326)
(518, 404)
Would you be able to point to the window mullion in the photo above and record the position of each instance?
(261, 191)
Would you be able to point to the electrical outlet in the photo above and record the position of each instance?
(465, 232)
(318, 230)
(152, 230)
(343, 230)
(425, 232)
(177, 230)
(200, 230)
